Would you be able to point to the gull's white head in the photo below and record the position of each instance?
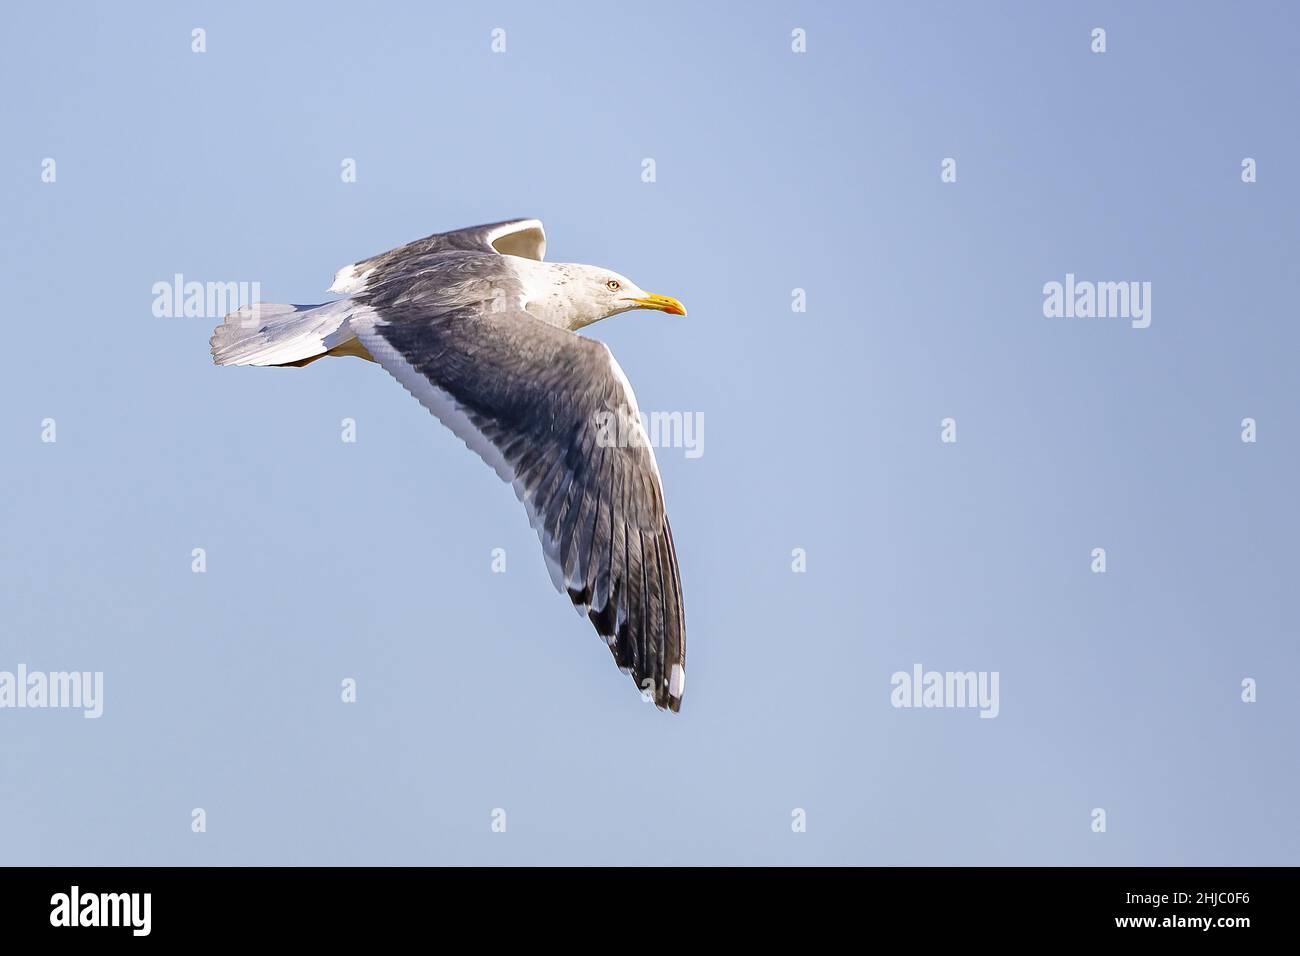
(573, 295)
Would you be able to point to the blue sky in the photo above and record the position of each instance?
(775, 171)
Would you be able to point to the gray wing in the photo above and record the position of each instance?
(542, 406)
(515, 237)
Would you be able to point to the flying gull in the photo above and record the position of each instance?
(480, 330)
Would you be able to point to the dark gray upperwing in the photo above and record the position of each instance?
(515, 237)
(552, 413)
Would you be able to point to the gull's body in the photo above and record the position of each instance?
(480, 330)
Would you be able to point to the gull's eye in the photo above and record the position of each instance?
(613, 285)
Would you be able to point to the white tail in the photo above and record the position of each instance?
(267, 333)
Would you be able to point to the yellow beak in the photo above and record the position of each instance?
(661, 303)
